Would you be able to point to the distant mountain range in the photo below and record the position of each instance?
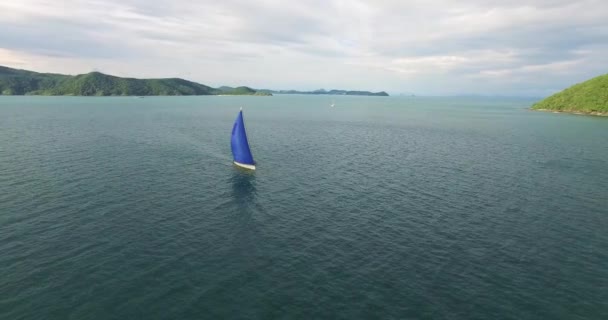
(323, 91)
(23, 82)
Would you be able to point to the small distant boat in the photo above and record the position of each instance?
(333, 104)
(241, 152)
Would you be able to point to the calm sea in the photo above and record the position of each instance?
(377, 208)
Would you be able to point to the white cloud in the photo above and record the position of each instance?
(377, 45)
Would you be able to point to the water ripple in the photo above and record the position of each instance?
(392, 210)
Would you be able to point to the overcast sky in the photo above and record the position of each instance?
(426, 47)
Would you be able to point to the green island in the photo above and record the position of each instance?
(589, 97)
(23, 82)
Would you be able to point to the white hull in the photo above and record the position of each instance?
(246, 166)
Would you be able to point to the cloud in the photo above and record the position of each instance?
(401, 46)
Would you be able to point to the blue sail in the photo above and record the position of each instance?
(240, 146)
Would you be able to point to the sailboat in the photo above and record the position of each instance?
(241, 152)
(333, 104)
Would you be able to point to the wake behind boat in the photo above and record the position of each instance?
(241, 152)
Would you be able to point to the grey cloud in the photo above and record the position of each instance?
(402, 40)
(57, 38)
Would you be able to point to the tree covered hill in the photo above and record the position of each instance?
(242, 91)
(589, 97)
(23, 82)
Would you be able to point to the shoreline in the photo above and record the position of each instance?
(594, 113)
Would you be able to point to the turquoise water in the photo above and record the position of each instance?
(378, 208)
